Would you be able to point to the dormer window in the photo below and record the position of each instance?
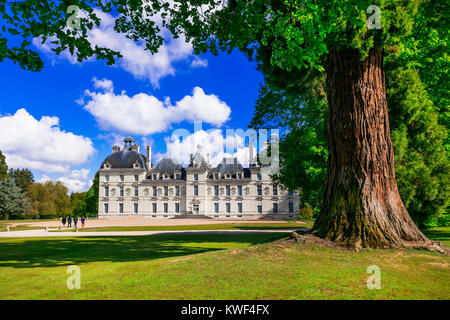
(136, 165)
(239, 175)
(216, 176)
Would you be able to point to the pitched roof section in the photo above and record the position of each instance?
(167, 166)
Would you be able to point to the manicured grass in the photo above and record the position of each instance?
(213, 266)
(441, 234)
(224, 226)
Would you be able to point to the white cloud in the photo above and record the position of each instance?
(73, 184)
(198, 62)
(41, 145)
(144, 114)
(80, 174)
(135, 58)
(211, 142)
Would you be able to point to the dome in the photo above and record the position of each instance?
(128, 157)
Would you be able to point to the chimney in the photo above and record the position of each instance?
(207, 159)
(115, 149)
(250, 154)
(149, 156)
(135, 147)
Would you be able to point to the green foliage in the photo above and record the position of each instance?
(3, 167)
(78, 203)
(49, 199)
(306, 213)
(22, 177)
(92, 198)
(13, 202)
(421, 163)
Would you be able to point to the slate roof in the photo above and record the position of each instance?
(167, 166)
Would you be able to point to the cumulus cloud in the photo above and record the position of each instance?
(144, 114)
(136, 59)
(80, 174)
(198, 62)
(73, 184)
(41, 144)
(212, 142)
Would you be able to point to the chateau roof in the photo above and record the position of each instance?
(167, 166)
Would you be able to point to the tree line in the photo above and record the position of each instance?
(21, 197)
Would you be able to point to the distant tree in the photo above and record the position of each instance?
(78, 203)
(3, 167)
(13, 202)
(92, 198)
(49, 199)
(23, 178)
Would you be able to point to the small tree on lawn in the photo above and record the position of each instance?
(13, 201)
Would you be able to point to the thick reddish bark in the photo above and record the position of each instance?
(361, 205)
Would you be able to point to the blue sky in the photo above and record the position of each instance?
(48, 125)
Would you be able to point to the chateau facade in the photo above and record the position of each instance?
(130, 185)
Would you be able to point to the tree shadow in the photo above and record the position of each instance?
(55, 252)
(437, 235)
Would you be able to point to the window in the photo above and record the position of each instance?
(106, 178)
(196, 177)
(228, 190)
(121, 191)
(290, 192)
(239, 190)
(275, 207)
(136, 191)
(291, 206)
(122, 177)
(106, 191)
(259, 189)
(166, 207)
(259, 176)
(154, 207)
(275, 190)
(120, 207)
(177, 190)
(239, 175)
(177, 176)
(166, 191)
(239, 207)
(136, 177)
(105, 208)
(228, 207)
(259, 207)
(216, 207)
(216, 176)
(195, 190)
(154, 177)
(136, 208)
(155, 191)
(177, 207)
(216, 190)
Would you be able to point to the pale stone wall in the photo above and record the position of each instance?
(205, 199)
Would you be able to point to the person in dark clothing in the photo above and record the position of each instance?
(82, 221)
(75, 221)
(63, 220)
(69, 222)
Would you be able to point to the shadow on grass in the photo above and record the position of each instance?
(46, 252)
(438, 234)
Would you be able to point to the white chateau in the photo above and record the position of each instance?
(130, 185)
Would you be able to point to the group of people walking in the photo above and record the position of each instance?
(69, 221)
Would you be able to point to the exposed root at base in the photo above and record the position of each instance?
(308, 237)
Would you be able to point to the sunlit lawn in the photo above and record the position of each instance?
(214, 266)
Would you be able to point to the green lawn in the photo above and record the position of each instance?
(215, 266)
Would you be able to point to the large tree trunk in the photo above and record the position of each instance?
(361, 205)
